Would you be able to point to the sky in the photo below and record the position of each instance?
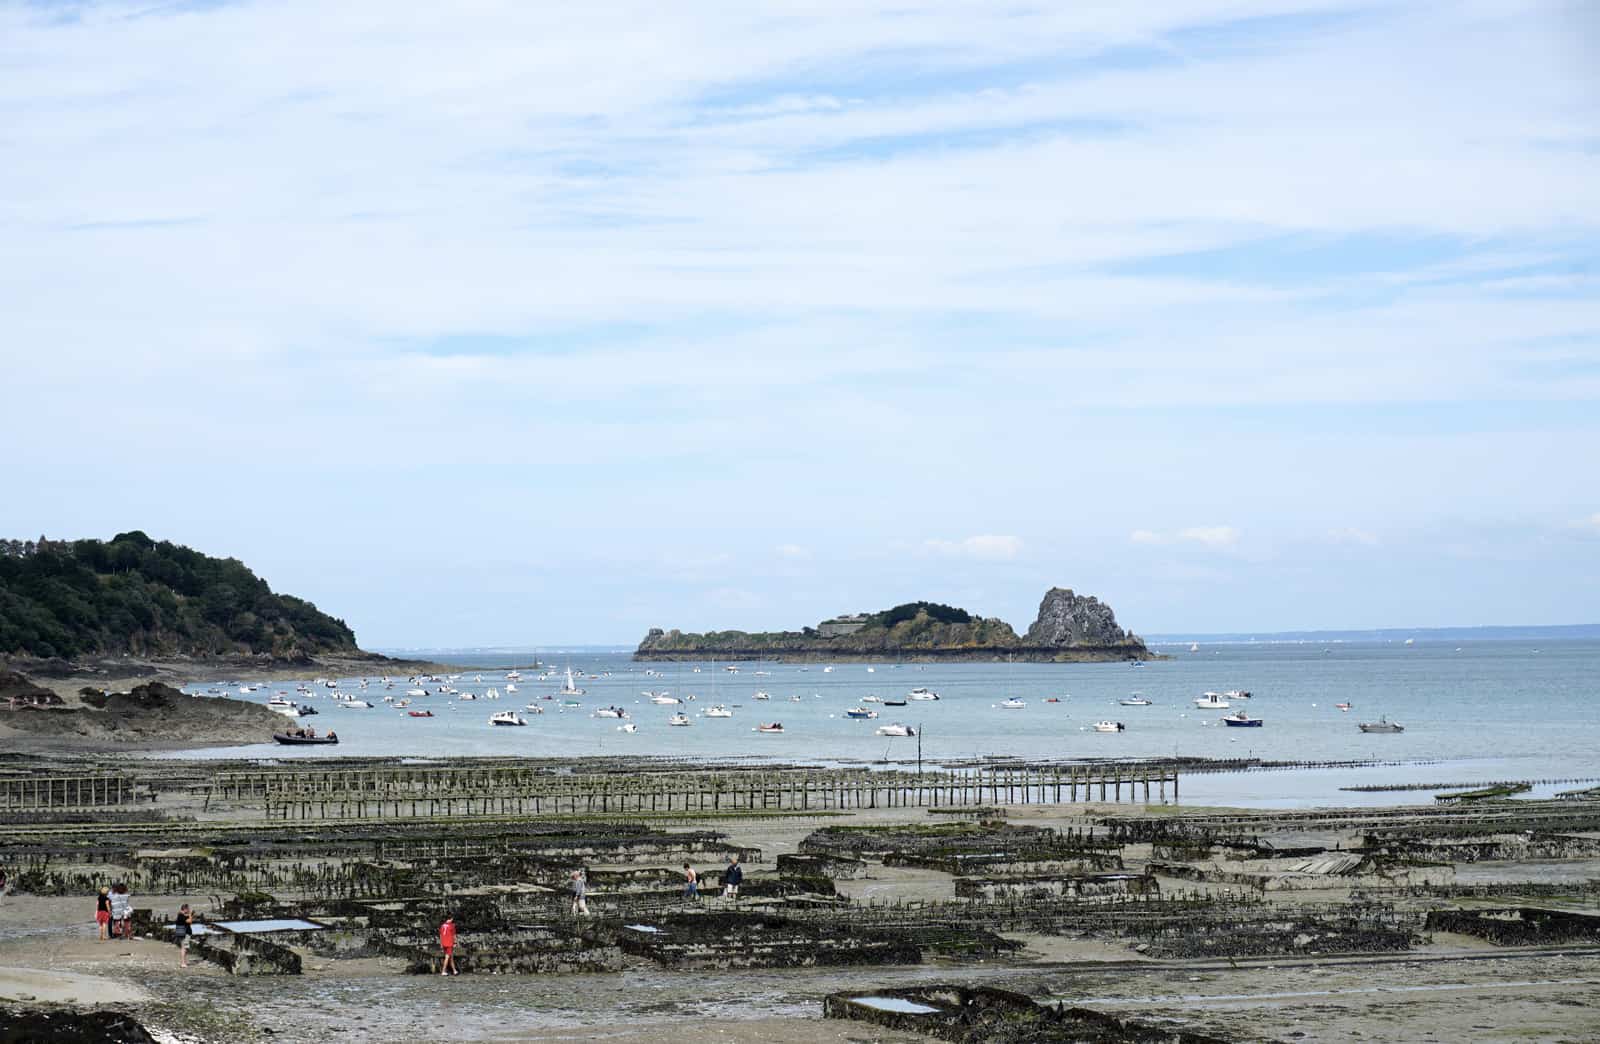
(516, 324)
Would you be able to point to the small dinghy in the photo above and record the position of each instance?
(771, 728)
(419, 714)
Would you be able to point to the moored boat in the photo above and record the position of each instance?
(420, 714)
(1211, 701)
(1382, 725)
(1239, 719)
(507, 718)
(1136, 701)
(1013, 704)
(1109, 726)
(719, 711)
(922, 694)
(860, 712)
(895, 729)
(679, 719)
(770, 728)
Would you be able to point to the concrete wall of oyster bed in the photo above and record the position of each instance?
(1518, 926)
(720, 941)
(979, 1015)
(250, 954)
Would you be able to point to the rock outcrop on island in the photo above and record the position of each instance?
(1070, 627)
(151, 714)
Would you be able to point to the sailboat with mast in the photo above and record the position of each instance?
(571, 688)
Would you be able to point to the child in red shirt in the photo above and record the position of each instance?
(447, 941)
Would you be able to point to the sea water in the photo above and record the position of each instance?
(1473, 711)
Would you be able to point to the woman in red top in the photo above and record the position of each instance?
(447, 941)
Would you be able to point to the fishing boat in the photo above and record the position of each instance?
(506, 718)
(570, 689)
(420, 714)
(719, 711)
(1013, 704)
(304, 741)
(1136, 700)
(1109, 726)
(860, 712)
(770, 728)
(679, 719)
(895, 729)
(1211, 701)
(611, 712)
(1383, 725)
(1240, 720)
(922, 694)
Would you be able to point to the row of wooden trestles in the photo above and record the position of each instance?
(42, 791)
(450, 791)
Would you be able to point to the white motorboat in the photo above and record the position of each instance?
(466, 696)
(827, 670)
(1211, 701)
(1382, 725)
(872, 670)
(570, 689)
(1109, 726)
(629, 727)
(507, 718)
(537, 708)
(679, 719)
(870, 699)
(1013, 704)
(895, 729)
(771, 728)
(1136, 701)
(1236, 694)
(922, 694)
(663, 699)
(762, 696)
(331, 684)
(513, 676)
(611, 712)
(511, 686)
(719, 711)
(354, 704)
(280, 701)
(416, 692)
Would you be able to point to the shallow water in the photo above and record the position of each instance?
(1477, 711)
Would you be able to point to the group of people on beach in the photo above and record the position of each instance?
(113, 916)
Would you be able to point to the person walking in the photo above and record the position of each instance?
(102, 913)
(732, 878)
(691, 882)
(183, 931)
(121, 912)
(447, 943)
(580, 894)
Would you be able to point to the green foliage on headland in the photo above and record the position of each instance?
(136, 595)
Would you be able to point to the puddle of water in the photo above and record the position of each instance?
(248, 927)
(895, 1004)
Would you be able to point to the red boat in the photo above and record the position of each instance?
(420, 714)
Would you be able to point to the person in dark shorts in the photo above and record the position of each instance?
(183, 930)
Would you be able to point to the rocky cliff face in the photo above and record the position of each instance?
(1067, 619)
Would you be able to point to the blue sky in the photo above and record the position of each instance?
(496, 324)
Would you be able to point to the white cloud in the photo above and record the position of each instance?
(987, 547)
(1216, 537)
(1352, 535)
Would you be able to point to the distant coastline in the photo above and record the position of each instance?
(1512, 632)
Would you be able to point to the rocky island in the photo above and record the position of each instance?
(1069, 628)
